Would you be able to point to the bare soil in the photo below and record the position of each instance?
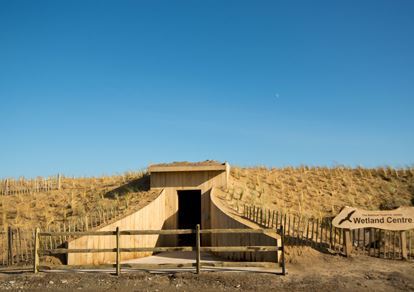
(319, 272)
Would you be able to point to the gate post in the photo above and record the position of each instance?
(198, 257)
(118, 252)
(282, 233)
(36, 251)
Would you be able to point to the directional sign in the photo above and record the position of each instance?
(353, 218)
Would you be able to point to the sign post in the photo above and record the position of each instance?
(404, 253)
(347, 242)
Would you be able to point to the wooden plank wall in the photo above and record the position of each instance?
(222, 218)
(188, 180)
(151, 216)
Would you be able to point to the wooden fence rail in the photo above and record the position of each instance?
(39, 250)
(319, 233)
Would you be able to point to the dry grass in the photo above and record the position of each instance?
(77, 198)
(320, 191)
(317, 192)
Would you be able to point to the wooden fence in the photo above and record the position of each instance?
(383, 243)
(16, 247)
(39, 249)
(11, 186)
(319, 233)
(16, 244)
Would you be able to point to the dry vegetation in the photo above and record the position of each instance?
(320, 191)
(306, 191)
(77, 198)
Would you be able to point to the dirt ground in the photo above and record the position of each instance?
(322, 273)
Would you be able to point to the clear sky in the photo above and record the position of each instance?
(100, 87)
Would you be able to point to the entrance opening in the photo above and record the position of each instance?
(189, 215)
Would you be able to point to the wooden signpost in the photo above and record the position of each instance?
(350, 218)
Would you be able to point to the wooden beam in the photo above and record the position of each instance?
(75, 250)
(10, 246)
(347, 242)
(36, 251)
(198, 257)
(404, 254)
(234, 230)
(118, 253)
(240, 264)
(151, 232)
(238, 248)
(161, 265)
(154, 232)
(282, 233)
(78, 233)
(162, 249)
(220, 167)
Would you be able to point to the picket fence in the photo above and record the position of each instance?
(12, 186)
(319, 233)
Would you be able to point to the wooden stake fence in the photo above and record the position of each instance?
(319, 233)
(24, 186)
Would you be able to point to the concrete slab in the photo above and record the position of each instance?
(174, 257)
(188, 258)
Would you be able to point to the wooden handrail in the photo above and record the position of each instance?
(162, 249)
(78, 233)
(235, 230)
(155, 232)
(239, 248)
(160, 232)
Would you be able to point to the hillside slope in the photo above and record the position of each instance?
(320, 191)
(77, 198)
(307, 191)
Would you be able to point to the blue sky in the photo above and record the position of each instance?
(99, 87)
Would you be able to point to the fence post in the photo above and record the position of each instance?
(371, 240)
(282, 239)
(404, 254)
(347, 242)
(36, 251)
(317, 231)
(9, 246)
(58, 181)
(118, 252)
(6, 187)
(198, 257)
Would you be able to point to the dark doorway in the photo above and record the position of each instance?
(189, 214)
